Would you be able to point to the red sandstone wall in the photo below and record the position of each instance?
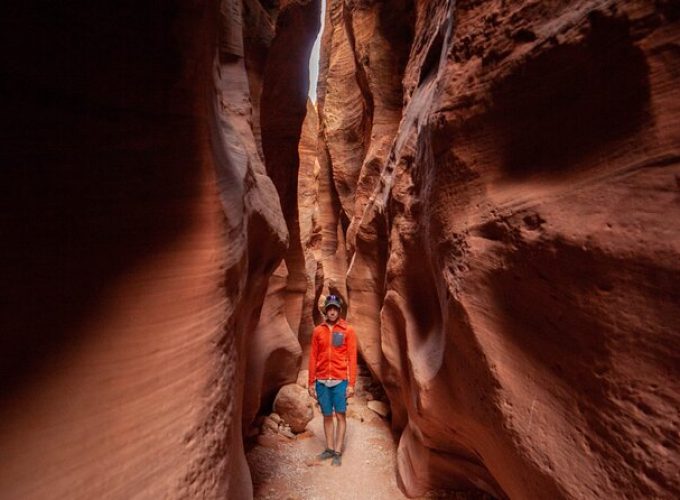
(139, 232)
(509, 174)
(278, 43)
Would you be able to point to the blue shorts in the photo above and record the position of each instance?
(332, 398)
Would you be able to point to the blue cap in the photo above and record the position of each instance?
(332, 300)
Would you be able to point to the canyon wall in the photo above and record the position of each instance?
(498, 198)
(140, 231)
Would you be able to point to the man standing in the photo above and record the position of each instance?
(332, 374)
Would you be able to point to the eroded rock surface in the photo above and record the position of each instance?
(140, 231)
(494, 192)
(504, 178)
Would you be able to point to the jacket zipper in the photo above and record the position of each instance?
(330, 341)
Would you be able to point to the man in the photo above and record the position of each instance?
(332, 374)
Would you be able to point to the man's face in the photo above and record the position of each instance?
(332, 313)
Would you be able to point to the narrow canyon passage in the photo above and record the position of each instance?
(492, 189)
(289, 470)
(286, 465)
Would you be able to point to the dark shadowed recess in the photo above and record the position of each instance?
(283, 109)
(284, 98)
(99, 162)
(431, 62)
(572, 100)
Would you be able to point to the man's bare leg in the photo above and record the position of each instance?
(340, 436)
(328, 431)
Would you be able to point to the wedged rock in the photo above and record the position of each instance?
(294, 406)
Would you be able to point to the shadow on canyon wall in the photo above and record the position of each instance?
(99, 153)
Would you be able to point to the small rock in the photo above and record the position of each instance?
(268, 424)
(302, 379)
(275, 417)
(285, 431)
(380, 408)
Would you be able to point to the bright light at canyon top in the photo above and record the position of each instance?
(314, 57)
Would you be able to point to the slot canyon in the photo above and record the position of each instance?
(491, 187)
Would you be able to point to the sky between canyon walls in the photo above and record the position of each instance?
(314, 57)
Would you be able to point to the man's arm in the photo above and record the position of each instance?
(312, 366)
(352, 354)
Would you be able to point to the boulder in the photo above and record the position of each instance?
(294, 406)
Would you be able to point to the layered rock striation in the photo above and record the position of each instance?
(491, 186)
(498, 197)
(140, 234)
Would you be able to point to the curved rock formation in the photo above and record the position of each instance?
(494, 191)
(140, 231)
(310, 230)
(512, 248)
(280, 55)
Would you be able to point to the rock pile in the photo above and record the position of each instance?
(274, 424)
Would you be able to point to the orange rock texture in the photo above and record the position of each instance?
(498, 188)
(140, 234)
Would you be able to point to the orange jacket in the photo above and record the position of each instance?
(337, 360)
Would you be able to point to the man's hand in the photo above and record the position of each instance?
(312, 391)
(349, 392)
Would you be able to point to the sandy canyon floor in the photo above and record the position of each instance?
(288, 469)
